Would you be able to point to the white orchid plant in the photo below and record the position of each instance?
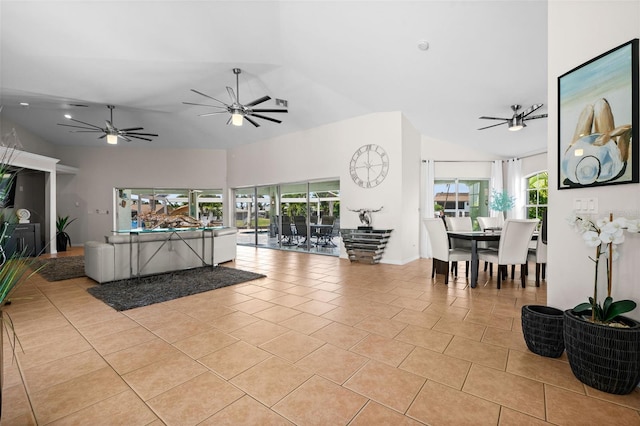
(604, 235)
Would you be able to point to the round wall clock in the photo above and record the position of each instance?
(369, 166)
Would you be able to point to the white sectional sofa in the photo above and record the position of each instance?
(125, 256)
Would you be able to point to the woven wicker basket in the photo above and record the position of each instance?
(542, 327)
(603, 357)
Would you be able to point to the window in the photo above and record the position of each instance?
(537, 192)
(461, 197)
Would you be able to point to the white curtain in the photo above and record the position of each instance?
(496, 183)
(427, 172)
(515, 188)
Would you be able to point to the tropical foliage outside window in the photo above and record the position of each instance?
(537, 194)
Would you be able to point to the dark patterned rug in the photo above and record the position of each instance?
(60, 268)
(134, 293)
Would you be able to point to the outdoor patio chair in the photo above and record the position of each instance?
(287, 232)
(300, 223)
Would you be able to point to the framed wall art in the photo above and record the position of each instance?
(598, 120)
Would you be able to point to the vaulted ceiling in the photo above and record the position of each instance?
(331, 60)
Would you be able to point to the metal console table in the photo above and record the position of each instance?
(365, 245)
(168, 233)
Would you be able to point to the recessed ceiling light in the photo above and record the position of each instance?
(24, 104)
(423, 45)
(67, 116)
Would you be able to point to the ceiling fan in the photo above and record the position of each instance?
(516, 122)
(109, 131)
(239, 111)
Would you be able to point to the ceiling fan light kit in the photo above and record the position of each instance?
(516, 122)
(110, 132)
(239, 112)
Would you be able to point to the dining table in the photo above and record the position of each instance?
(474, 237)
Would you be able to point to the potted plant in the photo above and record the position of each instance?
(603, 347)
(62, 238)
(13, 270)
(501, 202)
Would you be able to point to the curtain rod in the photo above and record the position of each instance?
(460, 161)
(484, 161)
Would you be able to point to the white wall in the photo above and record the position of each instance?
(534, 164)
(410, 219)
(106, 167)
(571, 272)
(30, 142)
(325, 153)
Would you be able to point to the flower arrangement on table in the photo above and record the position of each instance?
(604, 235)
(501, 201)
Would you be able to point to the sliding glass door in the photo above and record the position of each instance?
(462, 197)
(288, 216)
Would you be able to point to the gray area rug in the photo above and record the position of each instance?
(60, 268)
(134, 293)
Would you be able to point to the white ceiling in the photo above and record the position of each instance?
(332, 60)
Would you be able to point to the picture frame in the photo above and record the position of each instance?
(598, 120)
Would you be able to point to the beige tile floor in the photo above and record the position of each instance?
(319, 341)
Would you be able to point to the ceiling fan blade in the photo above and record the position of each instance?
(258, 101)
(128, 129)
(207, 105)
(529, 110)
(212, 113)
(251, 121)
(493, 125)
(139, 137)
(264, 117)
(232, 95)
(493, 118)
(125, 138)
(86, 124)
(103, 136)
(269, 110)
(207, 96)
(80, 127)
(84, 131)
(139, 134)
(533, 117)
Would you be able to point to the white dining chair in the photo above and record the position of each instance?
(459, 224)
(440, 250)
(490, 222)
(513, 248)
(486, 222)
(539, 256)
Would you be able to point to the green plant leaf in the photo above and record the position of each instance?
(607, 303)
(618, 308)
(583, 307)
(63, 222)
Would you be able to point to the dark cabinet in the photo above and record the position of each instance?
(23, 236)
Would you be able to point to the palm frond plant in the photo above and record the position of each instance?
(16, 269)
(62, 238)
